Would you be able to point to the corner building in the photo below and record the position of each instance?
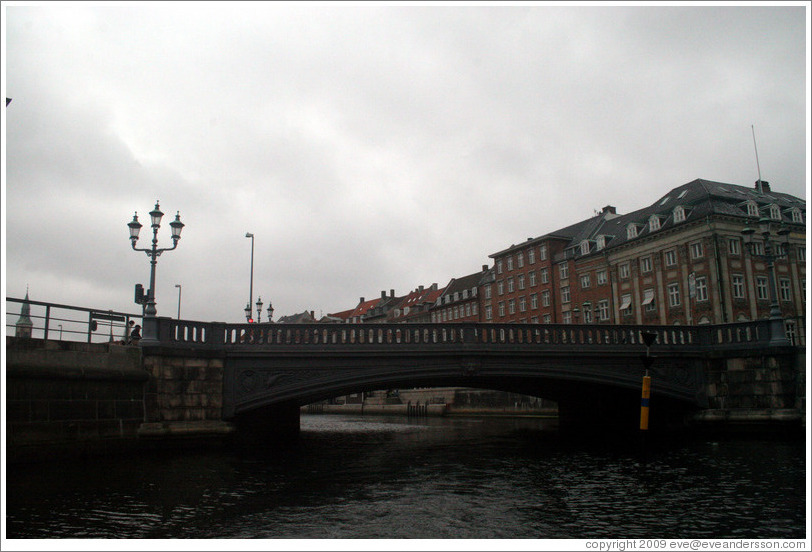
(681, 260)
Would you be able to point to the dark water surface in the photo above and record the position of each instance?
(354, 477)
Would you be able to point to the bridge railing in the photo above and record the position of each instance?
(744, 334)
(67, 322)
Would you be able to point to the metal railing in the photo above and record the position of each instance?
(68, 322)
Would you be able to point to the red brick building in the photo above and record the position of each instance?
(681, 260)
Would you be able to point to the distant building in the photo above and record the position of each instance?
(460, 300)
(306, 317)
(680, 260)
(24, 326)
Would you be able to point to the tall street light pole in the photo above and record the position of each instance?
(248, 307)
(179, 291)
(774, 249)
(150, 335)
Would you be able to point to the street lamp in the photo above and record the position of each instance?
(259, 310)
(774, 248)
(270, 312)
(150, 322)
(179, 291)
(251, 286)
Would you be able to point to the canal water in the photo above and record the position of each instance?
(362, 477)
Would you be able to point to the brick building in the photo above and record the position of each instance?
(680, 260)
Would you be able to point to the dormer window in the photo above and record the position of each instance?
(775, 212)
(751, 208)
(796, 215)
(679, 214)
(585, 247)
(631, 231)
(653, 223)
(600, 242)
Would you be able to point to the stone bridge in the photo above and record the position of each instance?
(267, 371)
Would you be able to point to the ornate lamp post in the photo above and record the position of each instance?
(270, 312)
(150, 336)
(774, 248)
(259, 310)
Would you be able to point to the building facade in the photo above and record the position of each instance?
(681, 260)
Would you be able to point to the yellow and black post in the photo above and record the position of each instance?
(648, 360)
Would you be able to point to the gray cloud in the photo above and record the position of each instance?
(367, 148)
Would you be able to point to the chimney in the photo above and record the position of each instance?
(609, 209)
(420, 289)
(312, 315)
(762, 186)
(383, 294)
(484, 268)
(362, 300)
(392, 293)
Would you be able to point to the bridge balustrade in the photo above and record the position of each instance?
(744, 334)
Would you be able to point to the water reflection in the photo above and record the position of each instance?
(358, 477)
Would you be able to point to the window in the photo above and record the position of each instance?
(761, 288)
(584, 281)
(543, 252)
(738, 286)
(626, 304)
(653, 223)
(546, 318)
(510, 285)
(512, 306)
(631, 231)
(673, 295)
(602, 312)
(567, 317)
(752, 209)
(488, 313)
(600, 276)
(534, 301)
(697, 251)
(532, 278)
(623, 270)
(600, 242)
(500, 287)
(499, 266)
(796, 215)
(801, 254)
(564, 271)
(758, 248)
(545, 298)
(702, 288)
(670, 257)
(520, 259)
(679, 214)
(545, 278)
(510, 262)
(531, 256)
(565, 294)
(587, 313)
(645, 264)
(648, 300)
(734, 246)
(784, 289)
(775, 212)
(521, 281)
(522, 304)
(502, 309)
(585, 247)
(488, 291)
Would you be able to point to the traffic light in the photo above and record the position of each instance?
(139, 294)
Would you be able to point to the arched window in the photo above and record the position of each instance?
(653, 223)
(679, 213)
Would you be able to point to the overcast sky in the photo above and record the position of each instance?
(367, 147)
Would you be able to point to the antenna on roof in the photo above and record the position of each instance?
(760, 190)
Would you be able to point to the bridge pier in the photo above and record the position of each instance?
(267, 426)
